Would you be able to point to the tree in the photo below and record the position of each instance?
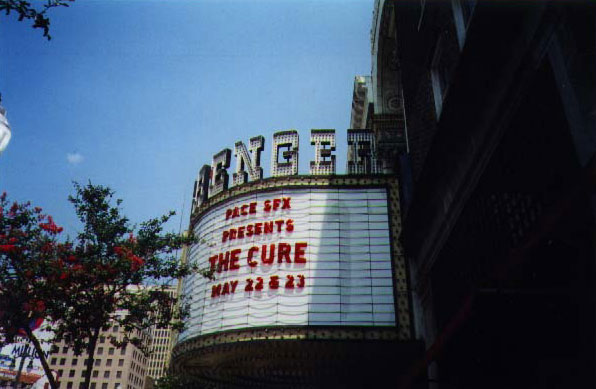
(90, 283)
(173, 381)
(39, 16)
(117, 260)
(33, 266)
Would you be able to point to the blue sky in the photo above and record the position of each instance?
(138, 95)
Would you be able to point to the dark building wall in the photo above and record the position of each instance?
(531, 296)
(432, 26)
(500, 227)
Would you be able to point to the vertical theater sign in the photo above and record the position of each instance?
(314, 258)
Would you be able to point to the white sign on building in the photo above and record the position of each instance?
(292, 257)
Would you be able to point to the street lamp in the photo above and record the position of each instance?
(5, 133)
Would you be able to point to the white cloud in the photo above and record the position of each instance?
(74, 158)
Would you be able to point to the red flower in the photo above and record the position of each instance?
(71, 258)
(7, 248)
(118, 250)
(50, 226)
(12, 240)
(63, 276)
(136, 262)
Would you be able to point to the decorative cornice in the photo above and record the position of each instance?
(297, 181)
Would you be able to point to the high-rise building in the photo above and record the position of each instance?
(114, 368)
(162, 342)
(123, 368)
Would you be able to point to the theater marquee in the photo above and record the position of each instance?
(293, 257)
(308, 279)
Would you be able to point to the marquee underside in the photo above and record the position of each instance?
(304, 363)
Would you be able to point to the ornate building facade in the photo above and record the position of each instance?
(499, 224)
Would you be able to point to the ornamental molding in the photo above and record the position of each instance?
(193, 345)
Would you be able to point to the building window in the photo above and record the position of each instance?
(71, 373)
(104, 385)
(111, 351)
(102, 339)
(115, 329)
(98, 362)
(100, 351)
(106, 374)
(109, 362)
(69, 385)
(75, 361)
(62, 361)
(64, 350)
(121, 362)
(95, 373)
(93, 385)
(53, 361)
(119, 374)
(123, 350)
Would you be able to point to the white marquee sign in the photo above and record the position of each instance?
(292, 257)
